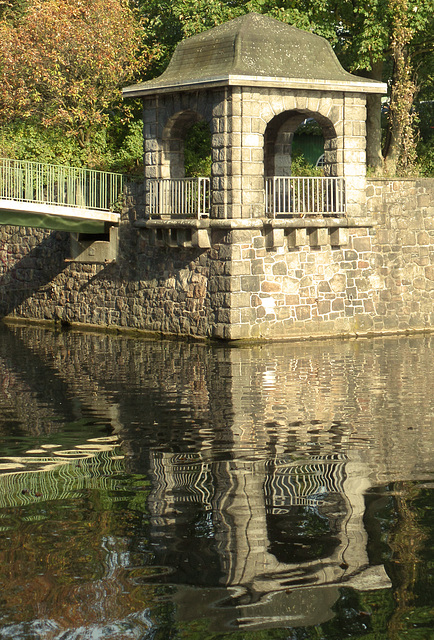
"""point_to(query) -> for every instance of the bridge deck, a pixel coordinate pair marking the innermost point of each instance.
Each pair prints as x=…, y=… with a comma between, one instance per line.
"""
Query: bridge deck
x=50, y=216
x=58, y=197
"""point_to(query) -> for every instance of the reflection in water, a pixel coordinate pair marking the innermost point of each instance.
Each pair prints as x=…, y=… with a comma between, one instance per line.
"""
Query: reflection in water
x=165, y=489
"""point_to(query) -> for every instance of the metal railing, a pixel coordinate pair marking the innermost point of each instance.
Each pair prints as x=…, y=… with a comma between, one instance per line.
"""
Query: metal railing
x=27, y=181
x=304, y=196
x=179, y=198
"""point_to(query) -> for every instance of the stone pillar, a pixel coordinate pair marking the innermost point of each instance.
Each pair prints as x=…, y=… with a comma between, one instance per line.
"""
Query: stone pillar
x=238, y=143
x=354, y=153
x=227, y=195
x=151, y=140
x=252, y=155
x=222, y=156
x=152, y=146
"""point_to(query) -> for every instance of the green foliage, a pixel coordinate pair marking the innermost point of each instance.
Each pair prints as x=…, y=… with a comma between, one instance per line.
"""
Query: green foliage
x=166, y=23
x=309, y=128
x=117, y=147
x=31, y=141
x=425, y=119
x=300, y=166
x=371, y=38
x=197, y=150
x=128, y=149
x=425, y=163
x=62, y=64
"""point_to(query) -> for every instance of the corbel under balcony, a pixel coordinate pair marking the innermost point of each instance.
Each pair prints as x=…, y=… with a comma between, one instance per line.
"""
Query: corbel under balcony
x=279, y=232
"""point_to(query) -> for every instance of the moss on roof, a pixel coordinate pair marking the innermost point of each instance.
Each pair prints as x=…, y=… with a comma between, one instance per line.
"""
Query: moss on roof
x=252, y=45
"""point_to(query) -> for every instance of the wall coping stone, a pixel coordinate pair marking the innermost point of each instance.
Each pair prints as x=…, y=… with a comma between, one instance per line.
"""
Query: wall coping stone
x=256, y=223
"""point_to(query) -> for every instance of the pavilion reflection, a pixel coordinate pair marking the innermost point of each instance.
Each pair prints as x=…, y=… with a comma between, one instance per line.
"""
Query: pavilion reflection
x=259, y=460
x=287, y=534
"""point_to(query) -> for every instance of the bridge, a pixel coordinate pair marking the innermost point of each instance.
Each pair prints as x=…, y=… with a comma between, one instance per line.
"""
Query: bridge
x=59, y=197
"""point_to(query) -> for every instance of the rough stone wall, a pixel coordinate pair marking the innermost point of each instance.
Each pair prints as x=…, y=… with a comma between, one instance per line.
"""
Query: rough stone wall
x=298, y=292
x=156, y=289
x=403, y=251
x=383, y=280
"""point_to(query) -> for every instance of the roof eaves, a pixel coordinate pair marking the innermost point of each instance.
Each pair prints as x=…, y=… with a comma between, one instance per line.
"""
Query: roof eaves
x=350, y=85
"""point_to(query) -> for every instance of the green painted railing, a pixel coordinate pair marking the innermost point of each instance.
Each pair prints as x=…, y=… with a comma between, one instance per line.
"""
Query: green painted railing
x=27, y=181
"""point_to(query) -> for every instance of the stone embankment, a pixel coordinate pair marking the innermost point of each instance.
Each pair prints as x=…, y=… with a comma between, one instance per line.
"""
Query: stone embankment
x=380, y=278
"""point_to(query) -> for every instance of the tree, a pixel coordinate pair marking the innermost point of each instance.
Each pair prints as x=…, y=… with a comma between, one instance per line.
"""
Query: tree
x=62, y=62
x=389, y=40
x=386, y=39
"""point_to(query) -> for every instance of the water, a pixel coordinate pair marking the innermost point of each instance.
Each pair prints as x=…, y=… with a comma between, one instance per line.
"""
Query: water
x=172, y=490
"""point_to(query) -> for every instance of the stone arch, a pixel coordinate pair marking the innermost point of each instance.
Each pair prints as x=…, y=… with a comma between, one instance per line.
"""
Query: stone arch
x=173, y=139
x=279, y=135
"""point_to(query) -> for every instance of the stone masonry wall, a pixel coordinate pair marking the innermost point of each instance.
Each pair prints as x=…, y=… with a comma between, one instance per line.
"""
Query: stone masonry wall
x=381, y=281
x=244, y=122
x=159, y=290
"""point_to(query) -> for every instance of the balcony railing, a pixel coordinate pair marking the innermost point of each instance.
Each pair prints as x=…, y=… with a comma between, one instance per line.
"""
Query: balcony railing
x=179, y=198
x=303, y=196
x=285, y=197
x=27, y=181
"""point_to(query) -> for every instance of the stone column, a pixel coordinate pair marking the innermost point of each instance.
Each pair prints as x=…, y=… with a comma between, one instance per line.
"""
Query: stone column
x=238, y=156
x=354, y=153
x=152, y=147
x=222, y=156
x=151, y=141
x=252, y=155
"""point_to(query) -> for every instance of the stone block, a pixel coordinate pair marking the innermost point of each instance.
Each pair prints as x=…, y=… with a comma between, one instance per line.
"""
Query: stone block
x=271, y=287
x=362, y=244
x=240, y=236
x=429, y=272
x=297, y=237
x=247, y=315
x=338, y=304
x=258, y=242
x=93, y=250
x=424, y=200
x=318, y=237
x=252, y=140
x=257, y=125
x=280, y=268
x=250, y=283
x=291, y=285
x=339, y=237
x=237, y=332
x=323, y=307
x=338, y=283
x=423, y=238
x=240, y=300
x=303, y=312
x=253, y=169
x=274, y=237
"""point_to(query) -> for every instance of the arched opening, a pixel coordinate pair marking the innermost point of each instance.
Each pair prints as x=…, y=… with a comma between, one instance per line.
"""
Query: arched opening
x=197, y=150
x=298, y=134
x=183, y=187
x=307, y=154
x=186, y=145
x=295, y=185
